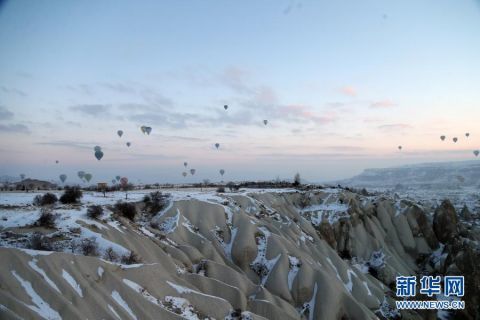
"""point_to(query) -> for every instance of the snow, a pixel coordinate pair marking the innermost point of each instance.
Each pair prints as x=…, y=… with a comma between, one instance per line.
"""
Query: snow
x=147, y=232
x=293, y=271
x=366, y=287
x=190, y=227
x=170, y=224
x=142, y=291
x=34, y=266
x=114, y=312
x=187, y=311
x=310, y=305
x=261, y=263
x=100, y=271
x=334, y=268
x=118, y=299
x=332, y=212
x=71, y=281
x=41, y=307
x=34, y=253
x=183, y=290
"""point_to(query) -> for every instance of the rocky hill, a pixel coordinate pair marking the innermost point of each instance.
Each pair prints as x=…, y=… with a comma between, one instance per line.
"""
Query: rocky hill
x=327, y=253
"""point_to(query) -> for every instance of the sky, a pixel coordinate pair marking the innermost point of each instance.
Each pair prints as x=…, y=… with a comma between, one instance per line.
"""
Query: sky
x=341, y=83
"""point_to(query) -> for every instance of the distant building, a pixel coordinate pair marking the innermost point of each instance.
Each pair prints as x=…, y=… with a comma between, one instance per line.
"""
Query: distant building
x=101, y=186
x=34, y=184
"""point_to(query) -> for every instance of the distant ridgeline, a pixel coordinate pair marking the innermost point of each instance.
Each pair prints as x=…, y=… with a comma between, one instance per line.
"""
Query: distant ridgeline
x=445, y=174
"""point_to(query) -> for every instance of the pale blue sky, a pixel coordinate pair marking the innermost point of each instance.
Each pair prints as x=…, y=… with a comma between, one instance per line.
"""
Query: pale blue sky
x=342, y=83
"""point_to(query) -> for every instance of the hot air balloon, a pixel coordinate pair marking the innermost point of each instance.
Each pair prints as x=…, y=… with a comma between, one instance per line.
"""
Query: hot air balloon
x=192, y=171
x=118, y=178
x=442, y=138
x=22, y=176
x=88, y=177
x=184, y=174
x=97, y=148
x=265, y=122
x=81, y=174
x=114, y=181
x=185, y=164
x=217, y=145
x=148, y=130
x=467, y=134
x=455, y=140
x=99, y=155
x=142, y=128
x=399, y=147
x=225, y=107
x=120, y=133
x=124, y=181
x=129, y=144
x=56, y=161
x=222, y=172
x=476, y=153
x=63, y=177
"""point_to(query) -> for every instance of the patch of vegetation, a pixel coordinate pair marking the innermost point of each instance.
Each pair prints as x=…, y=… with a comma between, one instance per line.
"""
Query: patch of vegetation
x=130, y=258
x=46, y=199
x=89, y=247
x=126, y=209
x=110, y=255
x=221, y=189
x=155, y=202
x=46, y=219
x=71, y=195
x=94, y=211
x=38, y=241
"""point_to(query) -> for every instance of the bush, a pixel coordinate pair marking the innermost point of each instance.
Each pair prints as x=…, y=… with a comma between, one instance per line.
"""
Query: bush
x=297, y=180
x=39, y=242
x=94, y=211
x=155, y=202
x=71, y=195
x=221, y=189
x=127, y=210
x=110, y=255
x=46, y=199
x=89, y=247
x=130, y=258
x=47, y=219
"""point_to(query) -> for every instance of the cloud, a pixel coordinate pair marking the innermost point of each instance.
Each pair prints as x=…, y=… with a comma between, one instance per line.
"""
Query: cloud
x=12, y=91
x=69, y=144
x=93, y=110
x=349, y=91
x=383, y=104
x=14, y=128
x=5, y=114
x=302, y=113
x=395, y=126
x=236, y=79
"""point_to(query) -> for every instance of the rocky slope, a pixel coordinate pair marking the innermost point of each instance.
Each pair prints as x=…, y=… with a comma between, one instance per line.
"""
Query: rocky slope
x=283, y=254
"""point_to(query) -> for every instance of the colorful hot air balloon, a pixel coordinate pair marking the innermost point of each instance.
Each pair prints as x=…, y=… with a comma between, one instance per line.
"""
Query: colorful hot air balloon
x=399, y=147
x=185, y=164
x=442, y=138
x=184, y=174
x=124, y=181
x=467, y=134
x=217, y=145
x=222, y=172
x=88, y=177
x=192, y=171
x=148, y=130
x=56, y=161
x=476, y=153
x=143, y=128
x=265, y=122
x=120, y=133
x=99, y=155
x=81, y=174
x=113, y=181
x=63, y=177
x=455, y=140
x=117, y=178
x=225, y=107
x=129, y=144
